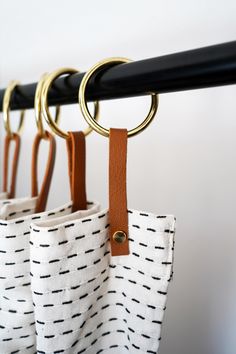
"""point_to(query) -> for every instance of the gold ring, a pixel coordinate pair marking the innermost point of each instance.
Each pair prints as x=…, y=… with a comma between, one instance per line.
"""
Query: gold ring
x=84, y=108
x=38, y=106
x=6, y=109
x=46, y=86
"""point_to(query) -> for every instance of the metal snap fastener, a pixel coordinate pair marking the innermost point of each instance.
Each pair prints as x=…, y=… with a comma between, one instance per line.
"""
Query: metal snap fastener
x=119, y=236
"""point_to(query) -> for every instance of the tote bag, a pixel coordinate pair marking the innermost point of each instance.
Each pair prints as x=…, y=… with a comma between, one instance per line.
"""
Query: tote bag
x=17, y=324
x=87, y=301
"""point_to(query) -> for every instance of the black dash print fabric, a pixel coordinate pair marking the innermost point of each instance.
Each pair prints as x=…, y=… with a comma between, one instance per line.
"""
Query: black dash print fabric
x=86, y=301
x=17, y=322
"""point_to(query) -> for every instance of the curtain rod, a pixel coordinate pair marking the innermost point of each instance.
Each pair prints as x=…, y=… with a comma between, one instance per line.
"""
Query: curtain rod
x=193, y=69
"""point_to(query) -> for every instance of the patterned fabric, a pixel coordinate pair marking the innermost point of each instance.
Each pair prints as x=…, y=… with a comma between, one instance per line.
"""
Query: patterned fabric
x=17, y=324
x=86, y=301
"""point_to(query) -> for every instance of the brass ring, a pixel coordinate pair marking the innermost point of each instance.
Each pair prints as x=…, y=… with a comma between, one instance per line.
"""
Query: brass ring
x=84, y=108
x=38, y=107
x=6, y=109
x=46, y=86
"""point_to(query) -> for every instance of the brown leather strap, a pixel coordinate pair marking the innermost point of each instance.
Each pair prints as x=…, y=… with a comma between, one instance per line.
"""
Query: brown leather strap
x=76, y=149
x=118, y=213
x=43, y=194
x=8, y=139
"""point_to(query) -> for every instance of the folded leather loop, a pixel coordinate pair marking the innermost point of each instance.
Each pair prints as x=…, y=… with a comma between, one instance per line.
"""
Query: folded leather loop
x=43, y=194
x=76, y=149
x=118, y=214
x=8, y=139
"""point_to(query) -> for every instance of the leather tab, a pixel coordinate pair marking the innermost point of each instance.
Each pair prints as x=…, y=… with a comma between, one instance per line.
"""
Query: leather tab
x=118, y=213
x=8, y=139
x=43, y=194
x=76, y=149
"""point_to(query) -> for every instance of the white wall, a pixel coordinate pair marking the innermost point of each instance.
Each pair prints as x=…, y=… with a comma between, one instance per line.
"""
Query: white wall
x=185, y=163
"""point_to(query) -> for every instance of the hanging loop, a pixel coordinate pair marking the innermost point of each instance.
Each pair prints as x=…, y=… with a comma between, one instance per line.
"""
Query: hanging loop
x=76, y=150
x=15, y=138
x=6, y=109
x=84, y=108
x=38, y=107
x=47, y=85
x=118, y=210
x=43, y=194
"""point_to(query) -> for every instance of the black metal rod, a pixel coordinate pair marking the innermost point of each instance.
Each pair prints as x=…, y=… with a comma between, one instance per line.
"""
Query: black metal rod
x=193, y=69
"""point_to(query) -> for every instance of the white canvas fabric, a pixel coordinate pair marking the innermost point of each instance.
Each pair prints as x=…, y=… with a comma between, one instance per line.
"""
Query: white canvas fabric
x=3, y=195
x=17, y=324
x=86, y=301
x=19, y=206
